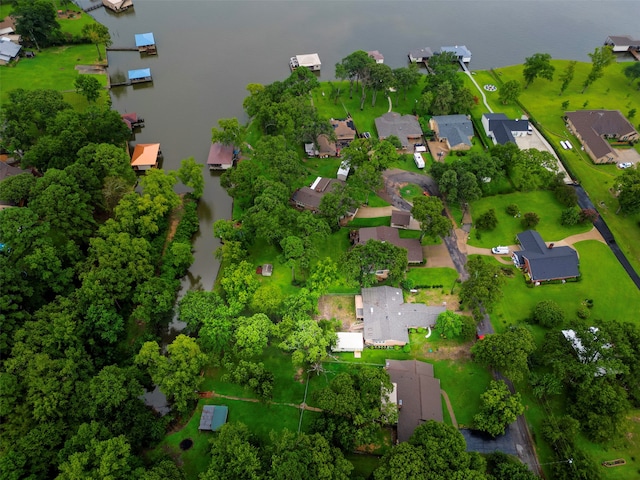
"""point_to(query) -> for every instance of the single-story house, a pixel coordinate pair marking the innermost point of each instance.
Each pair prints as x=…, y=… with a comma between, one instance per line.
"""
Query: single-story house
x=594, y=127
x=118, y=5
x=461, y=52
x=309, y=198
x=417, y=394
x=544, y=262
x=8, y=50
x=349, y=342
x=376, y=55
x=213, y=417
x=145, y=156
x=455, y=130
x=344, y=130
x=502, y=130
x=221, y=157
x=405, y=127
x=326, y=147
x=146, y=43
x=387, y=319
x=622, y=43
x=413, y=247
x=400, y=219
x=420, y=55
x=311, y=61
x=140, y=75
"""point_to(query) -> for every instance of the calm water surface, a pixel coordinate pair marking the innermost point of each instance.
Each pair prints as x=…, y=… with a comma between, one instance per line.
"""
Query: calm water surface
x=208, y=51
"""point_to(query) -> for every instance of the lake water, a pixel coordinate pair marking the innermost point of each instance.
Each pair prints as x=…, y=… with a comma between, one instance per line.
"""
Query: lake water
x=208, y=51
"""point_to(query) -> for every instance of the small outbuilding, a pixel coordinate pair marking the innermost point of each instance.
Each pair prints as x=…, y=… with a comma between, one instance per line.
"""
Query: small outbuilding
x=140, y=76
x=118, y=5
x=221, y=157
x=400, y=219
x=311, y=61
x=213, y=417
x=8, y=50
x=146, y=43
x=343, y=171
x=145, y=156
x=349, y=342
x=376, y=55
x=267, y=270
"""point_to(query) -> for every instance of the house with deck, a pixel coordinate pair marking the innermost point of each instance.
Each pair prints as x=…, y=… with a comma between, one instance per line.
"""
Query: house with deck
x=420, y=55
x=502, y=130
x=118, y=5
x=344, y=130
x=622, y=43
x=221, y=157
x=454, y=130
x=595, y=127
x=415, y=255
x=461, y=52
x=145, y=156
x=416, y=392
x=146, y=43
x=542, y=262
x=405, y=127
x=387, y=318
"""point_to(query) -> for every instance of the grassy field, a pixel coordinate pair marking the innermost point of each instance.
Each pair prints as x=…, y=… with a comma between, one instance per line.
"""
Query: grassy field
x=434, y=276
x=542, y=202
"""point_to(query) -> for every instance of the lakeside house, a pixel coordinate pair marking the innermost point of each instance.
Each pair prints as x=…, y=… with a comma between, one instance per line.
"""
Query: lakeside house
x=416, y=393
x=146, y=43
x=623, y=43
x=454, y=130
x=311, y=61
x=420, y=55
x=221, y=157
x=387, y=319
x=415, y=255
x=140, y=76
x=542, y=262
x=405, y=127
x=595, y=127
x=118, y=5
x=145, y=156
x=461, y=52
x=502, y=130
x=376, y=55
x=345, y=132
x=309, y=198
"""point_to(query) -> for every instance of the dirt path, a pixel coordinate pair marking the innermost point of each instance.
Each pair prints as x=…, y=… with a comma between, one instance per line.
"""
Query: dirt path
x=450, y=408
x=301, y=406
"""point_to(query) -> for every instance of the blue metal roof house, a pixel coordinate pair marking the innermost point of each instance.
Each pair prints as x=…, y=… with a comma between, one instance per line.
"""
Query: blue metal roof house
x=146, y=43
x=461, y=52
x=140, y=76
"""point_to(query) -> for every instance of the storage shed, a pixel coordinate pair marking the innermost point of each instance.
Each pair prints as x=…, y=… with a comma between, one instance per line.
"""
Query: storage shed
x=213, y=417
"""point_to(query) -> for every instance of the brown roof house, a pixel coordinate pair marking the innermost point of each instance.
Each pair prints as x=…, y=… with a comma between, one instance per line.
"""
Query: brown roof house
x=594, y=127
x=416, y=393
x=405, y=127
x=345, y=131
x=400, y=219
x=387, y=319
x=309, y=198
x=388, y=234
x=221, y=157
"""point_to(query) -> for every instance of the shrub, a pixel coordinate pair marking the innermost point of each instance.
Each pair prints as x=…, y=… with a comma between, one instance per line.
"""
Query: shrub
x=566, y=195
x=530, y=220
x=407, y=284
x=588, y=215
x=512, y=209
x=406, y=348
x=548, y=313
x=583, y=312
x=487, y=221
x=570, y=216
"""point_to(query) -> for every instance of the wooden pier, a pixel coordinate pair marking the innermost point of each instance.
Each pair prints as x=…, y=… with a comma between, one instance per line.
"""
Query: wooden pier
x=635, y=53
x=93, y=7
x=122, y=49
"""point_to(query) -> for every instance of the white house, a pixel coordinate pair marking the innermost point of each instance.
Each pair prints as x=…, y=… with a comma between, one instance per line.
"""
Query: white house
x=502, y=130
x=349, y=342
x=311, y=61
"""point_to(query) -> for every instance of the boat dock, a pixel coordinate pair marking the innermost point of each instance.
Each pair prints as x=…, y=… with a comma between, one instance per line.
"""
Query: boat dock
x=624, y=44
x=122, y=49
x=93, y=7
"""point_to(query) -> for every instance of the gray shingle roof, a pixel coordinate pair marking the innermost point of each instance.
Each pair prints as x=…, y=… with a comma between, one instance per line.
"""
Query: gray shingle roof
x=402, y=126
x=546, y=263
x=388, y=318
x=456, y=129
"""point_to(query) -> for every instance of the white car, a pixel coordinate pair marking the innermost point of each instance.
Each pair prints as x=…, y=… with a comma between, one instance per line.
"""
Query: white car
x=625, y=165
x=500, y=250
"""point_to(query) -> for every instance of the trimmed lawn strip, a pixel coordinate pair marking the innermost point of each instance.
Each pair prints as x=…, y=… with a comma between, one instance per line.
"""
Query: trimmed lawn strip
x=602, y=280
x=376, y=201
x=542, y=202
x=411, y=191
x=434, y=276
x=369, y=222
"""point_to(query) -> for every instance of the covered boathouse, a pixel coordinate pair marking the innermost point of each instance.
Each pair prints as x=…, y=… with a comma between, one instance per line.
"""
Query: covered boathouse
x=140, y=76
x=146, y=43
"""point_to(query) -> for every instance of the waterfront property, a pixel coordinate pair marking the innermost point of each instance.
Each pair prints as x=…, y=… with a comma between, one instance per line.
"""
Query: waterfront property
x=454, y=130
x=145, y=156
x=309, y=198
x=594, y=127
x=462, y=53
x=132, y=120
x=624, y=43
x=311, y=61
x=387, y=319
x=146, y=43
x=405, y=127
x=213, y=417
x=118, y=5
x=501, y=130
x=542, y=262
x=140, y=76
x=416, y=392
x=221, y=157
x=376, y=55
x=415, y=256
x=345, y=131
x=420, y=55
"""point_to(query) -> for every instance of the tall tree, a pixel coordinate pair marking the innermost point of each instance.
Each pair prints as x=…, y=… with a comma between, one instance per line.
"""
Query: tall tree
x=507, y=352
x=88, y=86
x=498, y=408
x=509, y=92
x=406, y=78
x=97, y=34
x=428, y=211
x=537, y=65
x=628, y=186
x=380, y=79
x=601, y=58
x=356, y=65
x=36, y=20
x=363, y=260
x=178, y=373
x=567, y=76
x=632, y=72
x=190, y=174
x=483, y=288
x=234, y=454
x=230, y=132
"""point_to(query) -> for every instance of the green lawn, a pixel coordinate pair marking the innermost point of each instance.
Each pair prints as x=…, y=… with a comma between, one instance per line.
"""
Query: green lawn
x=376, y=201
x=542, y=202
x=410, y=191
x=602, y=279
x=434, y=276
x=369, y=222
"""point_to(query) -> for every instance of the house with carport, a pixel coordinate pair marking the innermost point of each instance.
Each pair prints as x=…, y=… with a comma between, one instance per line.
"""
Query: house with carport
x=387, y=318
x=454, y=130
x=405, y=127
